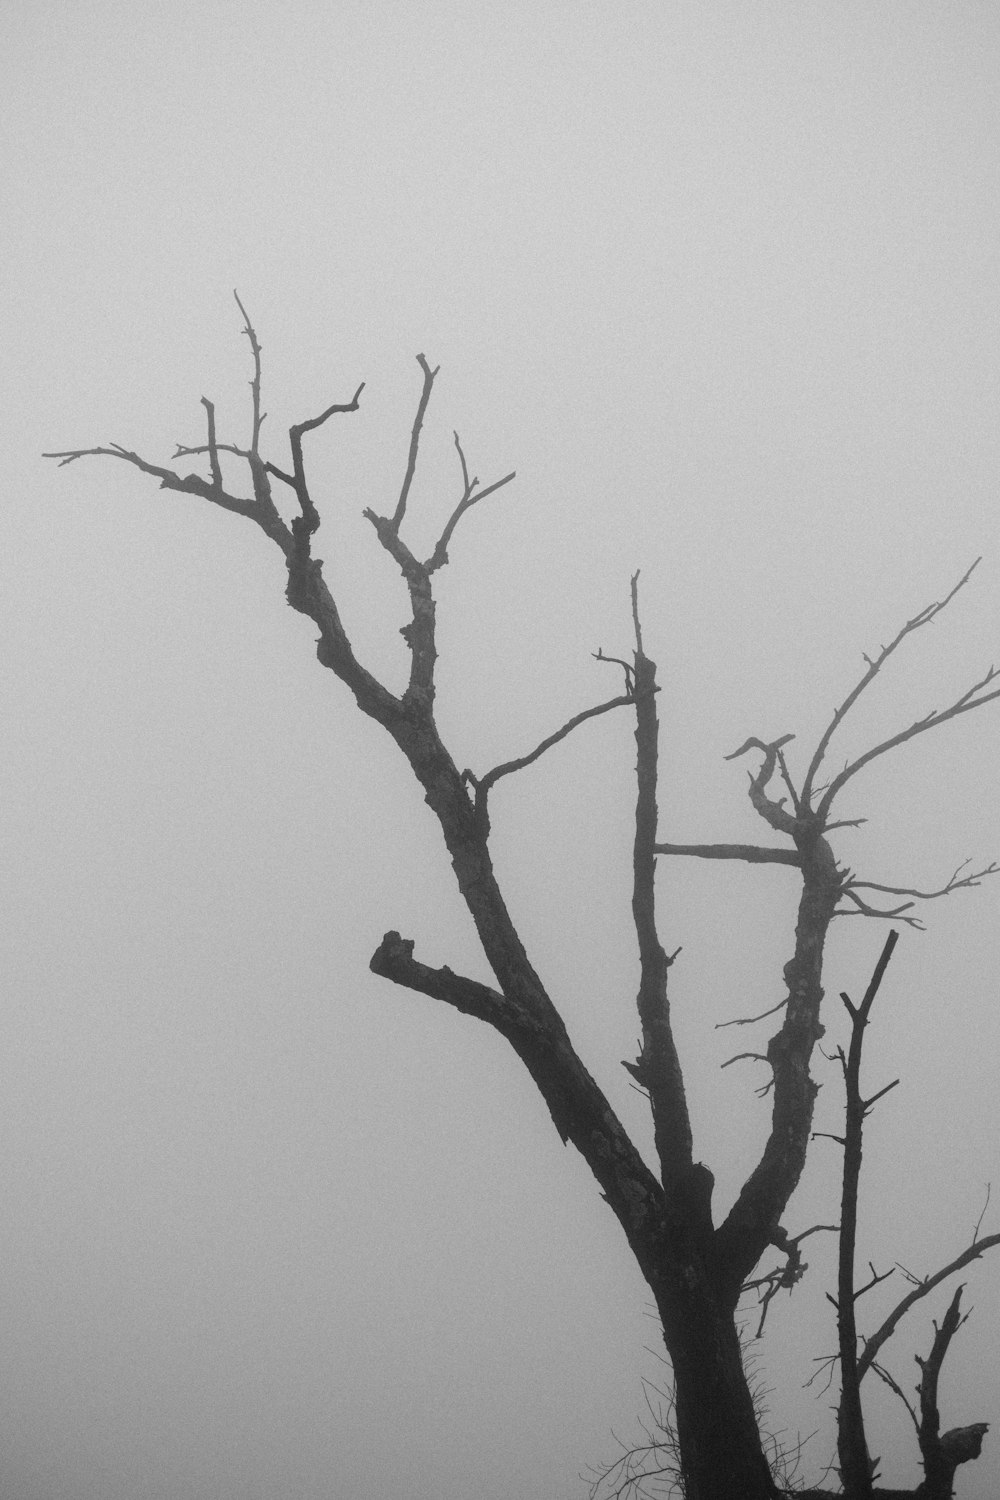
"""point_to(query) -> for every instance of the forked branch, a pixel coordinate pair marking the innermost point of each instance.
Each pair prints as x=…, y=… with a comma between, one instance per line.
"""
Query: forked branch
x=957, y=882
x=921, y=1288
x=471, y=496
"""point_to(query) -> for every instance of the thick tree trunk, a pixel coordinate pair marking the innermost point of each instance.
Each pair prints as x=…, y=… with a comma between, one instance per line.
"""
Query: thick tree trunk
x=717, y=1430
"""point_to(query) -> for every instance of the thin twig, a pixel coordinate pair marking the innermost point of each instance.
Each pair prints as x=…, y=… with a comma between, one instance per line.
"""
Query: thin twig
x=925, y=615
x=469, y=498
x=921, y=1288
x=751, y=1020
x=964, y=704
x=953, y=884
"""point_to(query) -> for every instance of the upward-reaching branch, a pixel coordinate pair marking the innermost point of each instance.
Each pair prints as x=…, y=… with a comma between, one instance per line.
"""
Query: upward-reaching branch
x=874, y=666
x=657, y=1068
x=258, y=416
x=855, y=1464
x=973, y=697
x=411, y=460
x=470, y=497
x=483, y=784
x=308, y=521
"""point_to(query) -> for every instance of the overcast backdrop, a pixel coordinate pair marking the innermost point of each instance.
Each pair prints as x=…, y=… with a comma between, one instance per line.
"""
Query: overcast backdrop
x=720, y=281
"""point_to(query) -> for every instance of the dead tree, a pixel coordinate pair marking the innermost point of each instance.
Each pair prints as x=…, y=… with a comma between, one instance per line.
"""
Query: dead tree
x=941, y=1454
x=694, y=1266
x=650, y=1470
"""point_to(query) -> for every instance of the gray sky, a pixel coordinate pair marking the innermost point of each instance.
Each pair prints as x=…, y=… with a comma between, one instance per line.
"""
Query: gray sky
x=719, y=280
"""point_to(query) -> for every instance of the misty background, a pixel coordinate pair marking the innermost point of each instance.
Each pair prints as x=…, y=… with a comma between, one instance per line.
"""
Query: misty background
x=720, y=281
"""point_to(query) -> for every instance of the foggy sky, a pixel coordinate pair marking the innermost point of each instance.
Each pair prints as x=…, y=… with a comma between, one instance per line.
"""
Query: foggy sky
x=720, y=281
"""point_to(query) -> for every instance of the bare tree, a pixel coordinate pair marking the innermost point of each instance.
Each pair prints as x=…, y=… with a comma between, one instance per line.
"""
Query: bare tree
x=694, y=1267
x=941, y=1454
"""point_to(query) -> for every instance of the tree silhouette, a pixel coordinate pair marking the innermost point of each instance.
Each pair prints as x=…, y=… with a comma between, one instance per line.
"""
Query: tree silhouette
x=694, y=1266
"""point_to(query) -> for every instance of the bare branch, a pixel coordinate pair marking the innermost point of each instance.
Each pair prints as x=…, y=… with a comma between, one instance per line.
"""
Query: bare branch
x=975, y=1232
x=772, y=812
x=875, y=1279
x=751, y=1020
x=786, y=778
x=309, y=521
x=964, y=704
x=483, y=784
x=626, y=667
x=852, y=1447
x=258, y=418
x=469, y=498
x=754, y=854
x=418, y=422
x=393, y=959
x=213, y=451
x=942, y=1455
x=190, y=484
x=787, y=1276
x=954, y=883
x=921, y=1289
x=636, y=625
x=896, y=913
x=689, y=1184
x=185, y=450
x=333, y=410
x=874, y=666
x=893, y=1385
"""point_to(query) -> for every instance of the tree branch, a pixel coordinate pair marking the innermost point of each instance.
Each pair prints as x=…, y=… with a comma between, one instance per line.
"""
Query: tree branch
x=942, y=1455
x=852, y=1447
x=483, y=784
x=772, y=812
x=393, y=959
x=309, y=520
x=953, y=884
x=213, y=451
x=258, y=418
x=920, y=1290
x=784, y=1277
x=418, y=422
x=754, y=854
x=928, y=613
x=864, y=910
x=964, y=704
x=657, y=1067
x=189, y=484
x=469, y=498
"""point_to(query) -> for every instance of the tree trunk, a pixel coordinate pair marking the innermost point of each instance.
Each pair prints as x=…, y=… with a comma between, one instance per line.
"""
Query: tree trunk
x=718, y=1435
x=717, y=1431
